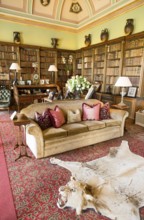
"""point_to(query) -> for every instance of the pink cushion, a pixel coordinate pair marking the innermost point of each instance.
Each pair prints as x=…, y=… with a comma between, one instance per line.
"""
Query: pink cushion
x=57, y=117
x=105, y=111
x=43, y=120
x=90, y=112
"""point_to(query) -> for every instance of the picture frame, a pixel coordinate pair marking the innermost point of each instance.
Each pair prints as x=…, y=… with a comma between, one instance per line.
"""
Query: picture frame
x=47, y=81
x=42, y=81
x=29, y=82
x=132, y=91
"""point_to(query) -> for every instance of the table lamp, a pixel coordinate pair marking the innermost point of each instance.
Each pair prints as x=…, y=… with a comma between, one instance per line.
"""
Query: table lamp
x=52, y=69
x=16, y=67
x=123, y=82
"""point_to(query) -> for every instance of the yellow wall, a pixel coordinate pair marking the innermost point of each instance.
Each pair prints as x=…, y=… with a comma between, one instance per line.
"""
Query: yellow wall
x=35, y=35
x=115, y=27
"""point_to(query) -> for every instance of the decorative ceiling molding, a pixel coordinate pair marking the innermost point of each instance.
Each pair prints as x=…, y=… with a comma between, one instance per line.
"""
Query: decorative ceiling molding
x=57, y=19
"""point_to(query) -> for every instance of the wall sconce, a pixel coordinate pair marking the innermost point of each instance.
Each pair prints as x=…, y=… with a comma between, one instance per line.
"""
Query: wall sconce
x=52, y=69
x=16, y=67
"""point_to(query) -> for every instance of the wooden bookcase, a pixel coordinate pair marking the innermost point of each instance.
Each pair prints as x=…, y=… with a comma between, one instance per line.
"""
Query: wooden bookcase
x=47, y=58
x=114, y=59
x=133, y=62
x=88, y=64
x=29, y=56
x=78, y=63
x=65, y=65
x=9, y=54
x=99, y=65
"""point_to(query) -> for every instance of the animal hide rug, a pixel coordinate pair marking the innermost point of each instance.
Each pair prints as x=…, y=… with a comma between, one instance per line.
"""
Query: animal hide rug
x=112, y=185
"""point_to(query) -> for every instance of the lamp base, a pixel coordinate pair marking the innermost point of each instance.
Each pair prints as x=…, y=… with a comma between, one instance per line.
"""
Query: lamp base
x=122, y=104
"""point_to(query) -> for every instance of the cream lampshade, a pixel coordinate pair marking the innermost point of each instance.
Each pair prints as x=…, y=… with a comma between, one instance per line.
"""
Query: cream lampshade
x=52, y=69
x=16, y=67
x=123, y=82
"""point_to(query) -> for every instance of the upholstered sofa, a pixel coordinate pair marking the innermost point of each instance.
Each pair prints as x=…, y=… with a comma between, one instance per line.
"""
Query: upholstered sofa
x=70, y=136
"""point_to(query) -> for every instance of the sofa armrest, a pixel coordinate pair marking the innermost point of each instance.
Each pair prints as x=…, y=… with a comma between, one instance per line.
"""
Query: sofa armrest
x=34, y=139
x=120, y=115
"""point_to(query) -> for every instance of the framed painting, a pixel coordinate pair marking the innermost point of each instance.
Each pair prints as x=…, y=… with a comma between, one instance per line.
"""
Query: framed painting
x=132, y=91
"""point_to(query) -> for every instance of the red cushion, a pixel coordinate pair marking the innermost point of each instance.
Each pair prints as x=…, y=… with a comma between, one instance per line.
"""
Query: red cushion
x=43, y=120
x=57, y=117
x=90, y=112
x=105, y=111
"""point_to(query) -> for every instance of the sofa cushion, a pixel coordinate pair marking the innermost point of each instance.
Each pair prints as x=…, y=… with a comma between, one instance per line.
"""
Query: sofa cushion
x=112, y=122
x=105, y=111
x=57, y=117
x=90, y=112
x=43, y=119
x=94, y=125
x=75, y=128
x=54, y=133
x=73, y=116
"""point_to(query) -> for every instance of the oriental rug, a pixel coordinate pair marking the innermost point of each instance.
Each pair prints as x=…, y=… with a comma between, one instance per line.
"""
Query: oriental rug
x=35, y=182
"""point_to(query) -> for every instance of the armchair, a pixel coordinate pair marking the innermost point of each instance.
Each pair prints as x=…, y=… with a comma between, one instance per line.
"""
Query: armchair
x=5, y=99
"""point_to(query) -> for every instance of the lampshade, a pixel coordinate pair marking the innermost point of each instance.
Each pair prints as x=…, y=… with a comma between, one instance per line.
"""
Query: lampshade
x=123, y=82
x=52, y=68
x=15, y=66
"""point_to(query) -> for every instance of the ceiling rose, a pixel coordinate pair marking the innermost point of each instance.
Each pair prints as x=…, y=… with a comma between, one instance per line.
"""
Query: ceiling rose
x=75, y=7
x=45, y=2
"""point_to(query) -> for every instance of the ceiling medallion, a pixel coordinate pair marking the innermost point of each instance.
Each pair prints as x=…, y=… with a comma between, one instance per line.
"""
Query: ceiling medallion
x=75, y=7
x=44, y=2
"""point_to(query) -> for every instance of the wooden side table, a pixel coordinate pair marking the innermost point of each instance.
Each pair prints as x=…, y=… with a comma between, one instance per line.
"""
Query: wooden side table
x=122, y=107
x=21, y=123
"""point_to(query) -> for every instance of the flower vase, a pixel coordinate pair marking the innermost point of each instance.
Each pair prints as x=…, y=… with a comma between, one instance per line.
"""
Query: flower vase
x=77, y=95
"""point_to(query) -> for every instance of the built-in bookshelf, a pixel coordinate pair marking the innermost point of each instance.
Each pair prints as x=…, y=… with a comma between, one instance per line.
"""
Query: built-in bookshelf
x=28, y=57
x=134, y=61
x=65, y=65
x=88, y=64
x=114, y=55
x=78, y=63
x=47, y=57
x=8, y=54
x=99, y=65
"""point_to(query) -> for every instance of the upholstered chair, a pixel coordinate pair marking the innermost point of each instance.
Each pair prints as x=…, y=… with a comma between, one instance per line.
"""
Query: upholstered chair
x=5, y=99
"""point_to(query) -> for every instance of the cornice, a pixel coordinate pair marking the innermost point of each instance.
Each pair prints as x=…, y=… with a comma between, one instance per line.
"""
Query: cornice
x=64, y=26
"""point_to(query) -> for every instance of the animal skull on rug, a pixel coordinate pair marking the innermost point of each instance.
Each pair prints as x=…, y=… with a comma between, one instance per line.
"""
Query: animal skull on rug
x=112, y=185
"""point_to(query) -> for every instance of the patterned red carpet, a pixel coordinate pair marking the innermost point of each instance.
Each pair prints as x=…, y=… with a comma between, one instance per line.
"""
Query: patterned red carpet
x=35, y=183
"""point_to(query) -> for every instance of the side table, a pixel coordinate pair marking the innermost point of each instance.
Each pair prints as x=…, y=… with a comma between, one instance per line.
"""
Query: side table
x=21, y=123
x=122, y=107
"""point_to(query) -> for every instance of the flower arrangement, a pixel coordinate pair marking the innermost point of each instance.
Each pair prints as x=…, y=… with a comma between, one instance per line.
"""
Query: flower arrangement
x=77, y=84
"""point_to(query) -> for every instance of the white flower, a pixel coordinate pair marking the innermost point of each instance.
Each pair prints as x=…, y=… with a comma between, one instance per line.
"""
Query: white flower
x=77, y=83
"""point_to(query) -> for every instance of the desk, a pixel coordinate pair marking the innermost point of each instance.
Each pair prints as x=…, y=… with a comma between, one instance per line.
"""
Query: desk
x=29, y=95
x=21, y=123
